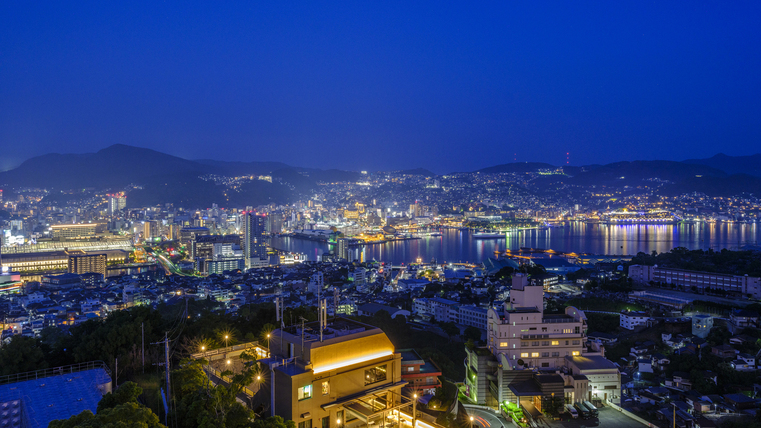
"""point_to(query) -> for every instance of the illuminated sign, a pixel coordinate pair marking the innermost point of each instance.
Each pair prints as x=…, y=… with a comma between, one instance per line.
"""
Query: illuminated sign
x=351, y=362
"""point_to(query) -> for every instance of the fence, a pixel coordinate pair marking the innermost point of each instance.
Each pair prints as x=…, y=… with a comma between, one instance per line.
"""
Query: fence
x=55, y=371
x=226, y=350
x=211, y=370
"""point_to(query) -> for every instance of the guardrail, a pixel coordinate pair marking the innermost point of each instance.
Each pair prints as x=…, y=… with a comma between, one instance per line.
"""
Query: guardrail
x=227, y=379
x=55, y=371
x=226, y=350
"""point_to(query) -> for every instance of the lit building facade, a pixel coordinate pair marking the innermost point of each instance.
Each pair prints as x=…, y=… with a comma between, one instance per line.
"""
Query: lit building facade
x=342, y=373
x=745, y=286
x=88, y=263
x=254, y=244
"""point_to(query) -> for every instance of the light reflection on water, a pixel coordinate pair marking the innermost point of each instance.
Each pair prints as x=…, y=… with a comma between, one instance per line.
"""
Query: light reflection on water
x=460, y=246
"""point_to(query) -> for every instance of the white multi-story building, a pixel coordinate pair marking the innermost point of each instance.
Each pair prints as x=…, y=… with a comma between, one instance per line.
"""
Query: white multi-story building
x=523, y=332
x=631, y=319
x=444, y=310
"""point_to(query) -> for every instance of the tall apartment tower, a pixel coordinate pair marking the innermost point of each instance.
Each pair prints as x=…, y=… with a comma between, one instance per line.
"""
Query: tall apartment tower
x=254, y=244
x=343, y=249
x=116, y=202
x=150, y=230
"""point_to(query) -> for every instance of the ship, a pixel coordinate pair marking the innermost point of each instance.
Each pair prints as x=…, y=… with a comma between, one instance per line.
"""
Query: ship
x=640, y=217
x=488, y=235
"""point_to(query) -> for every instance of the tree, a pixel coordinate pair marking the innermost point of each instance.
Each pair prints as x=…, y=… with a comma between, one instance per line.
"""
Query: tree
x=128, y=415
x=22, y=354
x=472, y=333
x=273, y=422
x=125, y=393
x=450, y=329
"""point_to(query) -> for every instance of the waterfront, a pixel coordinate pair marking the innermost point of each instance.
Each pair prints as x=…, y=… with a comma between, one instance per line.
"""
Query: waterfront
x=460, y=246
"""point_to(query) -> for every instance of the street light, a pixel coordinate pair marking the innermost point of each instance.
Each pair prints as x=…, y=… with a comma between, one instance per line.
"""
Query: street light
x=414, y=410
x=226, y=337
x=471, y=422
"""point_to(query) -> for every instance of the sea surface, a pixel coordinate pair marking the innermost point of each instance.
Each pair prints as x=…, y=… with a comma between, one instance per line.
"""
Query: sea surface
x=460, y=246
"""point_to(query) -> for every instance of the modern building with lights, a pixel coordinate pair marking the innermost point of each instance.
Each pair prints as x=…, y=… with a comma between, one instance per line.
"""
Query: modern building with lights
x=338, y=373
x=529, y=355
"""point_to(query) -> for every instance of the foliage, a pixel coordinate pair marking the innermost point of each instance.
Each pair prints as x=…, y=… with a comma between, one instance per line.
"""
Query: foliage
x=472, y=333
x=22, y=354
x=125, y=393
x=724, y=261
x=603, y=323
x=273, y=422
x=450, y=329
x=128, y=415
x=201, y=404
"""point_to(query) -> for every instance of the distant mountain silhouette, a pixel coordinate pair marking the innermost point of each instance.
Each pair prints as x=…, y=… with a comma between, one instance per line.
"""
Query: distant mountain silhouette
x=632, y=173
x=750, y=165
x=516, y=167
x=418, y=171
x=242, y=168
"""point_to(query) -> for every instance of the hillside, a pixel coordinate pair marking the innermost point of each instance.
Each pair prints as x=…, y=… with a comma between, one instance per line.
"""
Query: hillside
x=750, y=165
x=516, y=167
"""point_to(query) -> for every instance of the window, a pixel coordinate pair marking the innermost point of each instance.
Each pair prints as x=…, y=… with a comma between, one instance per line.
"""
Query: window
x=556, y=354
x=524, y=354
x=555, y=342
x=546, y=343
x=534, y=343
x=326, y=422
x=503, y=344
x=325, y=388
x=566, y=343
x=410, y=369
x=524, y=343
x=306, y=424
x=304, y=393
x=575, y=353
x=566, y=330
x=545, y=364
x=534, y=355
x=374, y=375
x=545, y=354
x=576, y=342
x=544, y=329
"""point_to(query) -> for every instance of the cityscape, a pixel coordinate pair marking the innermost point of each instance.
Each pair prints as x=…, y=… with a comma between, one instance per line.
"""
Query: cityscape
x=343, y=275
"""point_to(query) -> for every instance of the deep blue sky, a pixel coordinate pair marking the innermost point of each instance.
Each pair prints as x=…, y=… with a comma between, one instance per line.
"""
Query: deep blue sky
x=380, y=85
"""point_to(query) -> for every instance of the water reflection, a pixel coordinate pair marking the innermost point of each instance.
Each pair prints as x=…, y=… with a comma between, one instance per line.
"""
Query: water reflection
x=460, y=246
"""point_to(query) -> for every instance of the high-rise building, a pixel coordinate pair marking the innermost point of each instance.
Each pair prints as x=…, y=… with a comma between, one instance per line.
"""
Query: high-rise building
x=72, y=231
x=343, y=249
x=116, y=203
x=88, y=263
x=150, y=230
x=254, y=244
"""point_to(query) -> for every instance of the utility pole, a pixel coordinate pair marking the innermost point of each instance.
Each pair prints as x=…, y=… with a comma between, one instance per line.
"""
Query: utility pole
x=142, y=335
x=166, y=363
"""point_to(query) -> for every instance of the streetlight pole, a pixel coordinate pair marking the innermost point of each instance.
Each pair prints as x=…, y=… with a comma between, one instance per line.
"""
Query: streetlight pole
x=414, y=409
x=471, y=422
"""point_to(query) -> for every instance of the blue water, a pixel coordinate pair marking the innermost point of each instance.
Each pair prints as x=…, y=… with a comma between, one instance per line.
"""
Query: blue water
x=460, y=246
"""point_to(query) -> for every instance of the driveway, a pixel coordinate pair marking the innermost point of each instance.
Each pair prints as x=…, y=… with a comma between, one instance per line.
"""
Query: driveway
x=486, y=419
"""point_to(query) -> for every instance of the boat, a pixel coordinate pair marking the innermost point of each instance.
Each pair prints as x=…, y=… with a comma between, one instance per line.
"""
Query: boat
x=436, y=234
x=488, y=235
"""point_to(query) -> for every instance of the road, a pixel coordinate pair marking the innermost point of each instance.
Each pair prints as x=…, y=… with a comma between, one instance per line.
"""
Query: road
x=486, y=419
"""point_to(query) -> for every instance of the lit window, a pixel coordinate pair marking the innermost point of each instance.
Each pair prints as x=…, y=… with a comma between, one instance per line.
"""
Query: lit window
x=555, y=342
x=377, y=374
x=325, y=388
x=524, y=354
x=305, y=392
x=575, y=353
x=534, y=355
x=503, y=344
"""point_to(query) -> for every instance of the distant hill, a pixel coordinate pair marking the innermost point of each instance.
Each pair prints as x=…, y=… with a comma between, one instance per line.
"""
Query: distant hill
x=732, y=185
x=114, y=166
x=516, y=167
x=242, y=168
x=750, y=165
x=633, y=173
x=418, y=171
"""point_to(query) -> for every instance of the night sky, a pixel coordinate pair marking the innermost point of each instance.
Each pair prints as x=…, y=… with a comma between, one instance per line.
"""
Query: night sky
x=381, y=85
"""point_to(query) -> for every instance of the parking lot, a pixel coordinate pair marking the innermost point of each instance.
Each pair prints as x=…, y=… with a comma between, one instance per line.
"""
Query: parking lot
x=609, y=417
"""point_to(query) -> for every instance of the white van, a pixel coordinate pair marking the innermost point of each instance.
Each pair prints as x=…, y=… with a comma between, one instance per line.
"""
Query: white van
x=571, y=411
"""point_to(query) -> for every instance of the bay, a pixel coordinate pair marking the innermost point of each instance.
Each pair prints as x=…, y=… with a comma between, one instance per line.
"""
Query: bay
x=460, y=246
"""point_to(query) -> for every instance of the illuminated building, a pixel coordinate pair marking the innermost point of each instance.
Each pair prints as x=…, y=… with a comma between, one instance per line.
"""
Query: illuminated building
x=10, y=283
x=342, y=250
x=116, y=203
x=188, y=234
x=523, y=343
x=254, y=244
x=73, y=231
x=345, y=374
x=745, y=286
x=150, y=230
x=87, y=263
x=53, y=260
